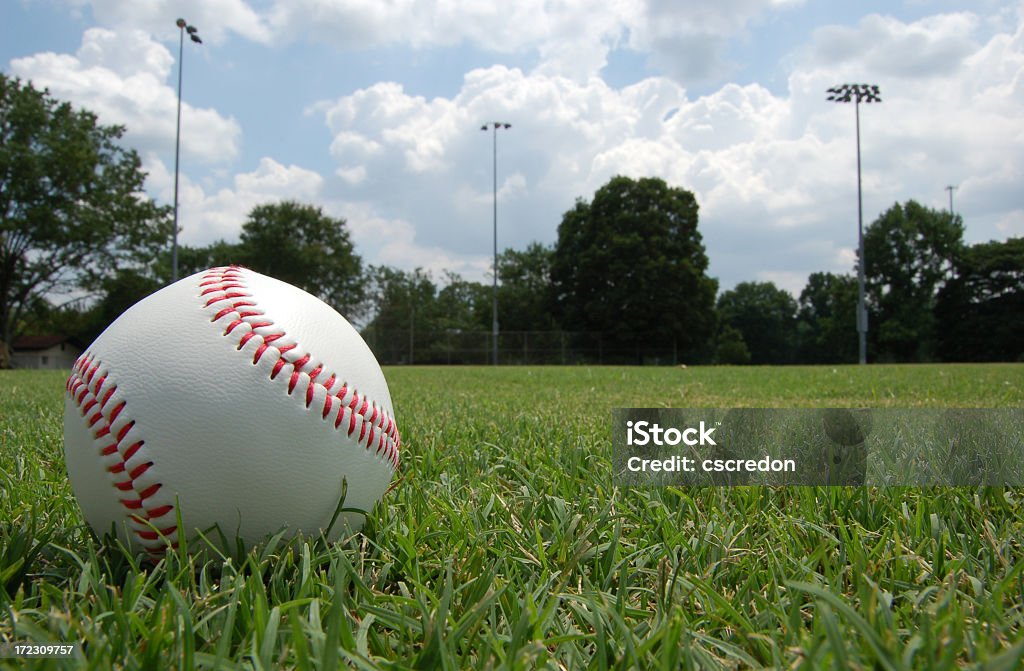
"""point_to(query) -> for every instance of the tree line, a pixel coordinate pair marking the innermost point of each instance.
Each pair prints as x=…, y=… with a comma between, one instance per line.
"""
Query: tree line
x=625, y=282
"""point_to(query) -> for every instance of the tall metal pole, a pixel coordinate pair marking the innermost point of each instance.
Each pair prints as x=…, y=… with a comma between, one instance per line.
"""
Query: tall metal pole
x=862, y=314
x=494, y=293
x=177, y=153
x=193, y=34
x=858, y=93
x=494, y=298
x=950, y=189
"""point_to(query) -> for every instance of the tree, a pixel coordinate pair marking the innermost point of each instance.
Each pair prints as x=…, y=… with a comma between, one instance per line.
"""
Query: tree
x=71, y=209
x=731, y=350
x=827, y=319
x=910, y=251
x=765, y=317
x=192, y=260
x=301, y=245
x=463, y=305
x=524, y=289
x=979, y=314
x=631, y=266
x=405, y=313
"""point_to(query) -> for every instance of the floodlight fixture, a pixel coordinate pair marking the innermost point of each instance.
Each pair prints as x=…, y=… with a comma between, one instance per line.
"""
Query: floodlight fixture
x=861, y=93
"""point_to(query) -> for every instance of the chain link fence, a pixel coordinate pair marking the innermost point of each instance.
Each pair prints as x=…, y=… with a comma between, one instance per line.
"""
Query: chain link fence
x=514, y=348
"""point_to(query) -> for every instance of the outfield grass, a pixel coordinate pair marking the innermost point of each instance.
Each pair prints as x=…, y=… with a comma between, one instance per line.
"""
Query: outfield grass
x=506, y=546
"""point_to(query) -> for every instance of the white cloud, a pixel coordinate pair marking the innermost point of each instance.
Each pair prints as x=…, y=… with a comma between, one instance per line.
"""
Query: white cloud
x=393, y=242
x=571, y=37
x=215, y=18
x=933, y=46
x=205, y=217
x=121, y=75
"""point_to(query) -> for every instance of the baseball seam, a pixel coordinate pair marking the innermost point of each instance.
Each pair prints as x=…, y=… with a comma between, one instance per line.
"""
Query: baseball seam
x=226, y=295
x=122, y=450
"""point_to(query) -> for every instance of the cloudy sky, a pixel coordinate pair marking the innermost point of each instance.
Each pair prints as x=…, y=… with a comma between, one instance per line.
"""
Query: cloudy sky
x=372, y=109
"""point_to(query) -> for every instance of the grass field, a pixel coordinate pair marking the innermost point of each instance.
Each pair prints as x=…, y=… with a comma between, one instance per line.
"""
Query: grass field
x=505, y=544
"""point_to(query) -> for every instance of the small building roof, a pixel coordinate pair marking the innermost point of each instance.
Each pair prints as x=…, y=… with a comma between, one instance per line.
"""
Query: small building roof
x=41, y=342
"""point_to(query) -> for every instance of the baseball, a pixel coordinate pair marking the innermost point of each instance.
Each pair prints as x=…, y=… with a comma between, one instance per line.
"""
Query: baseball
x=235, y=401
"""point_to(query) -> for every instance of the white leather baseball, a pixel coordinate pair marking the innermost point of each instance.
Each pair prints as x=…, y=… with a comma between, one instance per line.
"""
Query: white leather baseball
x=232, y=399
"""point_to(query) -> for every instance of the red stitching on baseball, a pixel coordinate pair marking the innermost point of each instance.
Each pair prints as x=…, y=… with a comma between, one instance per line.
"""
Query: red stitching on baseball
x=151, y=535
x=124, y=430
x=130, y=452
x=106, y=397
x=149, y=491
x=225, y=285
x=90, y=391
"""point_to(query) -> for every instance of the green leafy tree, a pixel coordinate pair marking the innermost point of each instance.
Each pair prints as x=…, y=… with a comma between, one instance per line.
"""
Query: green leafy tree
x=195, y=259
x=524, y=289
x=404, y=327
x=631, y=266
x=731, y=350
x=463, y=305
x=71, y=204
x=301, y=245
x=979, y=314
x=827, y=319
x=766, y=318
x=910, y=252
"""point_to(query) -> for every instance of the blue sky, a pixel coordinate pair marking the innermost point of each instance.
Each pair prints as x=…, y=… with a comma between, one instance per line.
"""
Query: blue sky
x=372, y=110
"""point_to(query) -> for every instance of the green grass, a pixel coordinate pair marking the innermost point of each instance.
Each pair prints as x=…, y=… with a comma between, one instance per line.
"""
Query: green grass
x=505, y=544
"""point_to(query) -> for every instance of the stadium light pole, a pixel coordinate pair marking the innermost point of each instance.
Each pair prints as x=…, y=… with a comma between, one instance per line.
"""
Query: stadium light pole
x=495, y=125
x=951, y=188
x=193, y=34
x=858, y=93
